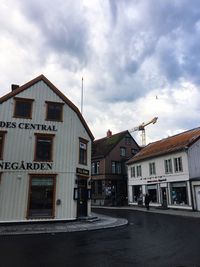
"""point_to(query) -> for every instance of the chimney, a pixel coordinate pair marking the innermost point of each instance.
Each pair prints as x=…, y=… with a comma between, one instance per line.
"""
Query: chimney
x=109, y=133
x=14, y=86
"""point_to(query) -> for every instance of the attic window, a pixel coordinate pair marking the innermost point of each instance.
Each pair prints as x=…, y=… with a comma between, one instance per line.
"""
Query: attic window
x=23, y=108
x=54, y=111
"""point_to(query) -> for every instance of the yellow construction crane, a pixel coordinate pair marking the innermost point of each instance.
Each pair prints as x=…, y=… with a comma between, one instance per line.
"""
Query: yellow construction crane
x=141, y=127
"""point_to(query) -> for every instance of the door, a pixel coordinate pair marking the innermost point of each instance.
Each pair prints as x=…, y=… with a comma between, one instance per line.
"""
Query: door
x=164, y=197
x=82, y=198
x=197, y=193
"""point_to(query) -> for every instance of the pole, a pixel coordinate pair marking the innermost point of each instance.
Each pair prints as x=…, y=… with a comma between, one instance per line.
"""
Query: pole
x=82, y=97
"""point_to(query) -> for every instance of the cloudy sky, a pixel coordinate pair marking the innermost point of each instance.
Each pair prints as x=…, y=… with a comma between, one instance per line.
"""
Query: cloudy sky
x=138, y=58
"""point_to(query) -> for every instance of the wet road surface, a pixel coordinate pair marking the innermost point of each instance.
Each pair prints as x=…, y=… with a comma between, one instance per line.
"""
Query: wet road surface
x=150, y=240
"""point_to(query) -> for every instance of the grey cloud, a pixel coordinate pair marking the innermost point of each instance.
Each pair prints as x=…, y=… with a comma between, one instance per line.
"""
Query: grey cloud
x=62, y=25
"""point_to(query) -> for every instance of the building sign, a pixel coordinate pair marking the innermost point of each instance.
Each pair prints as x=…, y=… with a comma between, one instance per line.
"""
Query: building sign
x=33, y=166
x=28, y=126
x=82, y=171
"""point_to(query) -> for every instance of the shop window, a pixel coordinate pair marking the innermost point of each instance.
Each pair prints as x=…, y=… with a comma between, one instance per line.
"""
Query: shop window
x=152, y=191
x=116, y=167
x=137, y=193
x=95, y=167
x=139, y=170
x=178, y=167
x=133, y=171
x=44, y=147
x=152, y=168
x=83, y=151
x=2, y=141
x=122, y=151
x=41, y=196
x=23, y=108
x=168, y=166
x=179, y=193
x=54, y=111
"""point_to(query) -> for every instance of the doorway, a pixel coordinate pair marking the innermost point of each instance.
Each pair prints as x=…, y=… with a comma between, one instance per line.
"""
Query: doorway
x=197, y=194
x=82, y=200
x=164, y=197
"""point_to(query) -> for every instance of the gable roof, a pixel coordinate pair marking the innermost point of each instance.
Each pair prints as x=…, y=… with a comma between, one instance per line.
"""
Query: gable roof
x=103, y=146
x=179, y=142
x=55, y=90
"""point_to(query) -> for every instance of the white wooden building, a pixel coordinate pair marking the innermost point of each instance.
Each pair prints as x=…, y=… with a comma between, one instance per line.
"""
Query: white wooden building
x=169, y=171
x=45, y=155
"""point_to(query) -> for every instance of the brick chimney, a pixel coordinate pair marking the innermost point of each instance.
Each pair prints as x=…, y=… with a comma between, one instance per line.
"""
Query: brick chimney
x=14, y=86
x=109, y=133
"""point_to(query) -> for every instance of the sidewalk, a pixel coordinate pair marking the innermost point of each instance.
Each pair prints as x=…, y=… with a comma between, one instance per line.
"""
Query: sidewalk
x=175, y=212
x=96, y=222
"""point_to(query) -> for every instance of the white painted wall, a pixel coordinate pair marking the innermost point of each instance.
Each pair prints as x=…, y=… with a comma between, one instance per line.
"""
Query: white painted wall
x=20, y=146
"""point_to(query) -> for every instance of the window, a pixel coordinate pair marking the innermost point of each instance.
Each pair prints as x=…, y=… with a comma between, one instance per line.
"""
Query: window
x=44, y=147
x=116, y=167
x=23, y=108
x=152, y=168
x=123, y=151
x=168, y=166
x=2, y=139
x=152, y=191
x=134, y=151
x=178, y=167
x=139, y=170
x=54, y=111
x=137, y=193
x=99, y=187
x=133, y=171
x=95, y=167
x=83, y=151
x=179, y=193
x=41, y=196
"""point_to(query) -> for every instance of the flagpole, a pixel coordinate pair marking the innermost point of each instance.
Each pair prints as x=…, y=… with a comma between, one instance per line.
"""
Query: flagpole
x=82, y=97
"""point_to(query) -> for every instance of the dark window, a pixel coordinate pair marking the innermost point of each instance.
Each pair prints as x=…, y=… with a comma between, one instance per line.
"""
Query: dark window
x=82, y=151
x=99, y=187
x=137, y=193
x=123, y=151
x=41, y=197
x=95, y=167
x=178, y=167
x=54, y=111
x=116, y=167
x=168, y=166
x=139, y=170
x=2, y=138
x=23, y=108
x=152, y=168
x=133, y=171
x=179, y=193
x=152, y=191
x=44, y=147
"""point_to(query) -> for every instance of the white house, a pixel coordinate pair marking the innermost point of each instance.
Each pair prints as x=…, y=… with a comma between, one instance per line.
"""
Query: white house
x=45, y=155
x=169, y=171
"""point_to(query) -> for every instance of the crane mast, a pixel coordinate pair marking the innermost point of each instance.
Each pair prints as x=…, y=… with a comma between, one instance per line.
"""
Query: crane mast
x=141, y=128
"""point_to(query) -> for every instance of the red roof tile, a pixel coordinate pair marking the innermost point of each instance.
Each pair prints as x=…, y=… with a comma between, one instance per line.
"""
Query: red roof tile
x=168, y=145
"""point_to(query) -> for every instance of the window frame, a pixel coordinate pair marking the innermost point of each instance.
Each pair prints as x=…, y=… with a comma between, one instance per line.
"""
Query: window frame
x=168, y=166
x=46, y=136
x=18, y=100
x=85, y=161
x=3, y=133
x=122, y=151
x=139, y=171
x=41, y=176
x=133, y=172
x=152, y=168
x=116, y=167
x=95, y=167
x=178, y=164
x=60, y=119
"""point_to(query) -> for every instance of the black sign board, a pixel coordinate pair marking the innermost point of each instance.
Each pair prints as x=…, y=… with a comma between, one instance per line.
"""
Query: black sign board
x=82, y=172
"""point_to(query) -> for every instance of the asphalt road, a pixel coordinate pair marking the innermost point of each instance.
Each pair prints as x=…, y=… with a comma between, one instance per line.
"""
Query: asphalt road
x=150, y=240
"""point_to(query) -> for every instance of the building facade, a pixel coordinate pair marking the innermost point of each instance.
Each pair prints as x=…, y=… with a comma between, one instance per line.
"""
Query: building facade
x=169, y=171
x=45, y=155
x=109, y=172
